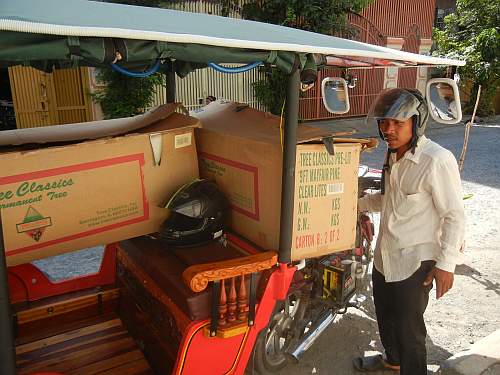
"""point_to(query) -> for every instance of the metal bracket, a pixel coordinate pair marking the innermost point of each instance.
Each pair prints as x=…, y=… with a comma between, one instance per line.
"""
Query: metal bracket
x=252, y=299
x=215, y=303
x=328, y=142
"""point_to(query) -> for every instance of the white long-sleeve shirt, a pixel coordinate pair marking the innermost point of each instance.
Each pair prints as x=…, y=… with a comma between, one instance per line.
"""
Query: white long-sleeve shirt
x=422, y=212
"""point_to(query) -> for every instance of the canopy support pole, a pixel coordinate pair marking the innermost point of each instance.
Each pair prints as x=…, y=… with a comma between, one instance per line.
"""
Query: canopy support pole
x=170, y=82
x=288, y=175
x=7, y=347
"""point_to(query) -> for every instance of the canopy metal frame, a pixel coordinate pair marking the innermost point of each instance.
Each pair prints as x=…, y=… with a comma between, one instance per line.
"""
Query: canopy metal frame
x=7, y=342
x=35, y=35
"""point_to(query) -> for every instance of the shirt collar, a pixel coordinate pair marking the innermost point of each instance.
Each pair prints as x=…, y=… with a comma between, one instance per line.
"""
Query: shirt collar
x=415, y=157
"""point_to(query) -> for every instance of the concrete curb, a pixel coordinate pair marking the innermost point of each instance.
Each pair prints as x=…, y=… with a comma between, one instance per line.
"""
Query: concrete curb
x=482, y=358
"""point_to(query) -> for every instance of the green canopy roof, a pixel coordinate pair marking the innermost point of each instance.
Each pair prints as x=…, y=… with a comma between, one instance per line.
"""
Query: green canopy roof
x=81, y=32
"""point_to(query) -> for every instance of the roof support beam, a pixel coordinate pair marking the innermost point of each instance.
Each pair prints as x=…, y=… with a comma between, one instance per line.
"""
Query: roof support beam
x=170, y=82
x=288, y=175
x=7, y=347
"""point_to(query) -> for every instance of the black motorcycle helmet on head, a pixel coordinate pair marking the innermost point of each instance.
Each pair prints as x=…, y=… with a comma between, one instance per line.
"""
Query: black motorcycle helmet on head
x=197, y=214
x=399, y=104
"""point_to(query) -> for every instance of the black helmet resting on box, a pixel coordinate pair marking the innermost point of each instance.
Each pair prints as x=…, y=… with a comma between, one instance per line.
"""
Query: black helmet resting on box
x=197, y=214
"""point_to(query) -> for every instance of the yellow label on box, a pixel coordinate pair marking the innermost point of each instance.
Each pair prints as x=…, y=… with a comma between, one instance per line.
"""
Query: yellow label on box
x=182, y=140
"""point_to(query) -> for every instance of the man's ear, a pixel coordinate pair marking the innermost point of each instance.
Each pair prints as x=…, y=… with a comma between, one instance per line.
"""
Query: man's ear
x=380, y=131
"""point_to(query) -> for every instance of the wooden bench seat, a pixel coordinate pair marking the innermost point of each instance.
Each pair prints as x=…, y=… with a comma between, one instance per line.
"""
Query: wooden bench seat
x=163, y=291
x=55, y=315
x=105, y=348
x=182, y=273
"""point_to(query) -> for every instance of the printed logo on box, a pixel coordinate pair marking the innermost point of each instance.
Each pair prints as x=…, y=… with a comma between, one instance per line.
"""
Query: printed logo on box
x=35, y=194
x=34, y=224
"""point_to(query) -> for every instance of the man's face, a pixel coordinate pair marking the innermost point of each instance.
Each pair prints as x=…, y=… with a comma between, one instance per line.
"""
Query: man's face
x=445, y=91
x=397, y=134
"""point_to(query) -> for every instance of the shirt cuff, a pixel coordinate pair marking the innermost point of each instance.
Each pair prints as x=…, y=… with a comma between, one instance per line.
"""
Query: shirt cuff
x=446, y=266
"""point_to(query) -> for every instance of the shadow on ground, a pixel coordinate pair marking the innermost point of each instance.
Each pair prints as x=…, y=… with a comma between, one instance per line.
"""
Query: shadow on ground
x=465, y=270
x=351, y=335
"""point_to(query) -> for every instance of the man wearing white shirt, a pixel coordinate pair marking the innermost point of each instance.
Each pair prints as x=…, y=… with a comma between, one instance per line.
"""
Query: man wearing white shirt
x=421, y=230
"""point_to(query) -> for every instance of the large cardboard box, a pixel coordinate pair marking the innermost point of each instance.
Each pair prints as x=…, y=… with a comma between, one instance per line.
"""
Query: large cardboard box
x=55, y=199
x=239, y=148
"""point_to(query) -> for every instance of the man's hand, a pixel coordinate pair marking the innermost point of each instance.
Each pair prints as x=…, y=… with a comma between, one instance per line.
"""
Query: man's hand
x=444, y=281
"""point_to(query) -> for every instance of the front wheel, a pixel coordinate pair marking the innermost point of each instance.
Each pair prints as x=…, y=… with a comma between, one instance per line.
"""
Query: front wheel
x=269, y=351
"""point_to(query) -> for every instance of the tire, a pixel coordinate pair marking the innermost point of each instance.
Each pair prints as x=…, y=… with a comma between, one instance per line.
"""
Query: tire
x=268, y=354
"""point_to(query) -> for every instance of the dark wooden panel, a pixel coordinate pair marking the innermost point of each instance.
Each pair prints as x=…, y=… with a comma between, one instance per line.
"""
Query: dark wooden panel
x=157, y=346
x=56, y=315
x=104, y=348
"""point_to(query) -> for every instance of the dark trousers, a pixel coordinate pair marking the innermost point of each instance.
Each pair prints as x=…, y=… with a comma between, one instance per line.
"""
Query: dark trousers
x=400, y=308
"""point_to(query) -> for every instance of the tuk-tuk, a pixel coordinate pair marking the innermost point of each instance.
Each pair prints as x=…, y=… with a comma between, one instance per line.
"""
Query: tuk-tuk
x=221, y=308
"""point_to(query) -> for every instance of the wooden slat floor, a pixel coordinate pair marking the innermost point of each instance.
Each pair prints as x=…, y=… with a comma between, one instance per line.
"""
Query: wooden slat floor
x=105, y=348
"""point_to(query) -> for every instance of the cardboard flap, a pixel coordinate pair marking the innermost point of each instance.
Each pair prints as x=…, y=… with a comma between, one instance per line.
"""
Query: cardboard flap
x=308, y=134
x=87, y=130
x=172, y=122
x=156, y=145
x=236, y=119
x=367, y=144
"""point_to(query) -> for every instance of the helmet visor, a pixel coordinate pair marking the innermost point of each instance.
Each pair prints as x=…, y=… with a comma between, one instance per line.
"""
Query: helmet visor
x=178, y=225
x=397, y=104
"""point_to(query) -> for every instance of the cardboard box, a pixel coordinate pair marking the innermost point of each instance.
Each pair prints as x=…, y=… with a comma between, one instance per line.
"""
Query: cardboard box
x=240, y=149
x=56, y=199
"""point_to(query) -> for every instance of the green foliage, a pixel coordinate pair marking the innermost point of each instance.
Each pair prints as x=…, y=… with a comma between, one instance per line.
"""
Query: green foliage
x=124, y=96
x=472, y=34
x=271, y=91
x=320, y=16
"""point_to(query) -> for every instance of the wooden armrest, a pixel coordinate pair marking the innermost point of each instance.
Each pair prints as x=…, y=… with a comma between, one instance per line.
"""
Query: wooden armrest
x=198, y=276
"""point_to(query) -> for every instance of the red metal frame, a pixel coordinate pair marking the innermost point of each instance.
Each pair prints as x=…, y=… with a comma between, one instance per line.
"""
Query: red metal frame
x=28, y=283
x=226, y=356
x=230, y=355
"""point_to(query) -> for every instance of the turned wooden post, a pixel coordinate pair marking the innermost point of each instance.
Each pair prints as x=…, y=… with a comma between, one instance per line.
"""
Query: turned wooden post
x=242, y=300
x=222, y=304
x=231, y=301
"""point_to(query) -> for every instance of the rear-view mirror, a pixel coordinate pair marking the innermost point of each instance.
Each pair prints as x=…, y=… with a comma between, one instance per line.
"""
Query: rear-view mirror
x=335, y=96
x=444, y=100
